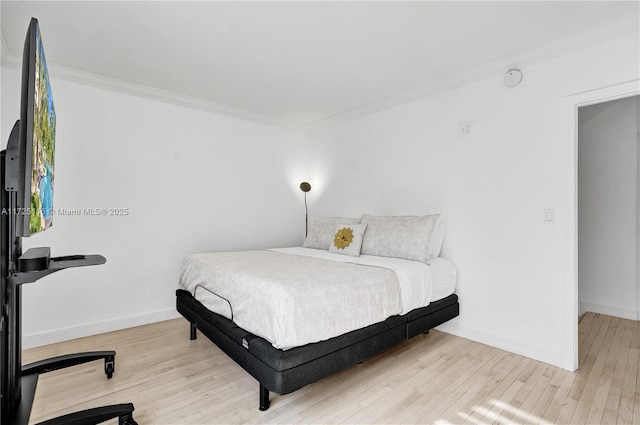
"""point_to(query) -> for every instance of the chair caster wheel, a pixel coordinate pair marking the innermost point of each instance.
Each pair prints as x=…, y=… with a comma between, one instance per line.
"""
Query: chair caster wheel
x=109, y=369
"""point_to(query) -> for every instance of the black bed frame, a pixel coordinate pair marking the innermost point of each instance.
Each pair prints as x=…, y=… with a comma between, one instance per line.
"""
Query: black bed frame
x=283, y=372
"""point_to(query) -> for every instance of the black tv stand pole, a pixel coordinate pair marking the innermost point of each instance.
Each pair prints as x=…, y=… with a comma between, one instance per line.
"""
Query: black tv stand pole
x=17, y=382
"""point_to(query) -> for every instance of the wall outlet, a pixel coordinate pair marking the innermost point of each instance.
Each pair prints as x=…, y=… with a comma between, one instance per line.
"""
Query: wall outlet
x=549, y=216
x=465, y=129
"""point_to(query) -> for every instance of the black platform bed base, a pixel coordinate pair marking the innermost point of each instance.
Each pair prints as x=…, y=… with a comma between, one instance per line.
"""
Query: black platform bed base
x=283, y=372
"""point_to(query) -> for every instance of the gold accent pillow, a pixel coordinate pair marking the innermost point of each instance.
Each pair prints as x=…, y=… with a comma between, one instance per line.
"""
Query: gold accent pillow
x=347, y=239
x=322, y=230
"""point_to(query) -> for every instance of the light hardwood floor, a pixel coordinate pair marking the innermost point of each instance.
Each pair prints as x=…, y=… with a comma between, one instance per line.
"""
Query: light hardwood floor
x=435, y=378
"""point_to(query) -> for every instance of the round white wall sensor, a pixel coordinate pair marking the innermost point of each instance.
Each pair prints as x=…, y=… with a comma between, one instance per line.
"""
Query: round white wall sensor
x=513, y=77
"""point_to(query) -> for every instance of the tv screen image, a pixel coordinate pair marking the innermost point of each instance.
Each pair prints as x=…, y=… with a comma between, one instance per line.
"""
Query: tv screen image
x=43, y=143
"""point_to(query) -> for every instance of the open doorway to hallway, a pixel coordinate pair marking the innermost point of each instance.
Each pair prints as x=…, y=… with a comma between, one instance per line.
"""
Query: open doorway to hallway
x=608, y=209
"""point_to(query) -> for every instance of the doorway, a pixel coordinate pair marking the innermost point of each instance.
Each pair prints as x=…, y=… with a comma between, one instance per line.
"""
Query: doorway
x=608, y=152
x=608, y=227
x=570, y=239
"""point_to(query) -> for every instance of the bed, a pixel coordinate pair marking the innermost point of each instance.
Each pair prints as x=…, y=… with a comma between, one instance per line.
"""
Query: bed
x=291, y=316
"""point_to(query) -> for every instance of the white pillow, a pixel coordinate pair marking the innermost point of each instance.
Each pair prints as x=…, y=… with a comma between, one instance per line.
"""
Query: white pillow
x=408, y=237
x=321, y=231
x=347, y=239
x=438, y=239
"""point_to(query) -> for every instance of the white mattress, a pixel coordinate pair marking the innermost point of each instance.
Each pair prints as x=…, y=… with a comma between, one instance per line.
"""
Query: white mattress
x=443, y=278
x=319, y=295
x=294, y=300
x=443, y=275
x=414, y=277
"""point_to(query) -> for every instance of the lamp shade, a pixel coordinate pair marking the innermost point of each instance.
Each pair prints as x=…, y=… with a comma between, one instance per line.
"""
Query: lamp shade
x=305, y=187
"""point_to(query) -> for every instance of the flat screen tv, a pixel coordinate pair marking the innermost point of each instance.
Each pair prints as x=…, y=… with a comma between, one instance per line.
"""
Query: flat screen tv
x=31, y=148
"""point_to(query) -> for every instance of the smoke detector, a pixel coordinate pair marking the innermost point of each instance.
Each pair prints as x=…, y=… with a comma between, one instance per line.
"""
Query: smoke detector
x=513, y=77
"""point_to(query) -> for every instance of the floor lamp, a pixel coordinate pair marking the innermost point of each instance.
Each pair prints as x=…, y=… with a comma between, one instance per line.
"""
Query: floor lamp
x=305, y=187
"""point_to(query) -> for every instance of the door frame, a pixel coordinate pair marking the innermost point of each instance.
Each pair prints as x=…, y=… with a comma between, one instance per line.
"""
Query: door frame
x=570, y=292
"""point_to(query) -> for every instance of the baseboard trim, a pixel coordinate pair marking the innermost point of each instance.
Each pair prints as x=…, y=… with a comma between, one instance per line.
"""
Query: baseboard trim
x=66, y=334
x=516, y=347
x=623, y=313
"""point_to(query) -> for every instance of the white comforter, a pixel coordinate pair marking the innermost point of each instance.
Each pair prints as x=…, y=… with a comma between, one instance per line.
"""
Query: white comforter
x=295, y=296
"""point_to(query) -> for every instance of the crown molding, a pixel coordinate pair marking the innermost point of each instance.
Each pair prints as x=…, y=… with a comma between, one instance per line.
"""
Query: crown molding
x=603, y=33
x=126, y=87
x=581, y=40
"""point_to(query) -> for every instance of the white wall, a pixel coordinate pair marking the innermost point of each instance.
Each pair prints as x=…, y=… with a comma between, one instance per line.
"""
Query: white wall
x=608, y=205
x=191, y=180
x=198, y=181
x=492, y=187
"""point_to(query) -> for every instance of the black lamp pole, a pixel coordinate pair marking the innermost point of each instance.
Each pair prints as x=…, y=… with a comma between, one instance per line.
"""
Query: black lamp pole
x=305, y=187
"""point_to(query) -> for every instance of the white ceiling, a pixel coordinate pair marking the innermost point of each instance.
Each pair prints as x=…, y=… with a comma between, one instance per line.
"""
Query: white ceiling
x=305, y=63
